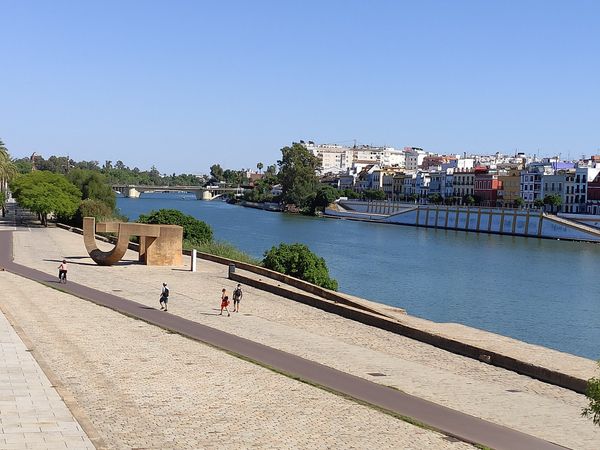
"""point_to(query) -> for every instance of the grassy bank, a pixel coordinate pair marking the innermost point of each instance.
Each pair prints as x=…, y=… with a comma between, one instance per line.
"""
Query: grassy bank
x=223, y=249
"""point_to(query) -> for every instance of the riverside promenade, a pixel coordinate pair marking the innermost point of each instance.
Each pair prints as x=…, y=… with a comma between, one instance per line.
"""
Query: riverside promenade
x=58, y=320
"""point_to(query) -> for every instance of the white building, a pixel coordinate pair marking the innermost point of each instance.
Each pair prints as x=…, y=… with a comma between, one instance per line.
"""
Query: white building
x=413, y=157
x=336, y=158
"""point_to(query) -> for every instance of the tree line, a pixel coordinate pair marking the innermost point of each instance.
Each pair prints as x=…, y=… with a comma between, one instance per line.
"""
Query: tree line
x=117, y=173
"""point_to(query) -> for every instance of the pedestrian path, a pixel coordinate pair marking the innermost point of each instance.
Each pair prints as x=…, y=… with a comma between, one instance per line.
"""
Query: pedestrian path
x=32, y=414
x=463, y=426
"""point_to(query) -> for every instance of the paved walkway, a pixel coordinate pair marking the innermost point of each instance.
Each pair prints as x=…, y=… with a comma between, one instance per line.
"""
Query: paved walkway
x=452, y=422
x=463, y=384
x=32, y=414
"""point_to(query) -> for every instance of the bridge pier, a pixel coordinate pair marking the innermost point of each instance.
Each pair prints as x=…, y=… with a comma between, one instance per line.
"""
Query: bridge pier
x=205, y=195
x=132, y=193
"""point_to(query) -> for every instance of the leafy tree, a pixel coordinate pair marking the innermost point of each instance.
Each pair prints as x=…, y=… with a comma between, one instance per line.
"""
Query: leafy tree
x=298, y=261
x=297, y=174
x=271, y=170
x=553, y=200
x=469, y=200
x=45, y=192
x=23, y=165
x=413, y=198
x=350, y=194
x=519, y=202
x=93, y=208
x=259, y=166
x=8, y=171
x=435, y=198
x=216, y=172
x=592, y=411
x=374, y=194
x=538, y=203
x=93, y=185
x=324, y=197
x=88, y=165
x=194, y=230
x=234, y=177
x=260, y=193
x=55, y=164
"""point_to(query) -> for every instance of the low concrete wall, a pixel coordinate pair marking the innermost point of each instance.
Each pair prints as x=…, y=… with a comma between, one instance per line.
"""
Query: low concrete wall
x=496, y=359
x=297, y=283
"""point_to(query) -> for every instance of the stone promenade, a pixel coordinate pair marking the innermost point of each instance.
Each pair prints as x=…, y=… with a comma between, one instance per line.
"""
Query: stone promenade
x=32, y=414
x=518, y=402
x=139, y=386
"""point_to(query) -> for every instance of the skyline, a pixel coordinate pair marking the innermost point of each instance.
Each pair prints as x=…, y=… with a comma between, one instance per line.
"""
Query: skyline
x=186, y=85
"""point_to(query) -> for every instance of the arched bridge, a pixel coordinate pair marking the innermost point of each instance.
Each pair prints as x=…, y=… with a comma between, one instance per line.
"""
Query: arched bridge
x=201, y=192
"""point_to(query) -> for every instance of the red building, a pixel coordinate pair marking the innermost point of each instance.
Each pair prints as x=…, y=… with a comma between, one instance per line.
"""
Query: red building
x=486, y=187
x=593, y=196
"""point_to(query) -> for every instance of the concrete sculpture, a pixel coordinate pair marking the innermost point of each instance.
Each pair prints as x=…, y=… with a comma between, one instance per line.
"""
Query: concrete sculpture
x=160, y=245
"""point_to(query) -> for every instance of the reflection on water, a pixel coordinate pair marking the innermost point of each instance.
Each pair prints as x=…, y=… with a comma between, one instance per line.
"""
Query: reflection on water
x=540, y=291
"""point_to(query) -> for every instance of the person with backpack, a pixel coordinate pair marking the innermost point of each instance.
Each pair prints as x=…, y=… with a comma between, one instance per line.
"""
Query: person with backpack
x=224, y=302
x=237, y=296
x=164, y=297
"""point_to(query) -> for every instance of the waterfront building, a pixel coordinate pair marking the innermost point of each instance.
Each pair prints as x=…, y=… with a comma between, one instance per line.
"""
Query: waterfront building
x=409, y=185
x=368, y=178
x=463, y=182
x=582, y=176
x=485, y=187
x=437, y=183
x=347, y=181
x=531, y=182
x=510, y=188
x=398, y=183
x=422, y=181
x=560, y=183
x=387, y=183
x=448, y=186
x=593, y=196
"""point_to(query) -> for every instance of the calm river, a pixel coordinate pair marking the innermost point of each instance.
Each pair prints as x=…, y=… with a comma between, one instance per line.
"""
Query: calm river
x=539, y=291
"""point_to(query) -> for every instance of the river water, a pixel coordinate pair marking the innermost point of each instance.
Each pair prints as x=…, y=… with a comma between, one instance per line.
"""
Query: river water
x=539, y=291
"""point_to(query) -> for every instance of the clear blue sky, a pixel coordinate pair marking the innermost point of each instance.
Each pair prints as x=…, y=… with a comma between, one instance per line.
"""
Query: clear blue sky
x=185, y=84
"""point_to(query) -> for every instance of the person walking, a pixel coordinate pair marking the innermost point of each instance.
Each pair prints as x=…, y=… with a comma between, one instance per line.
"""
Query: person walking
x=237, y=296
x=164, y=297
x=62, y=272
x=224, y=302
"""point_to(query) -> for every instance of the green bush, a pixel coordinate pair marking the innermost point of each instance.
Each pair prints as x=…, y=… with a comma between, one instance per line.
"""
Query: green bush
x=194, y=231
x=592, y=411
x=298, y=261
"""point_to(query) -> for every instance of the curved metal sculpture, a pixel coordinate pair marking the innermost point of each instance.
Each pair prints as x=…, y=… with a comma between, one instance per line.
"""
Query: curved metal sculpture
x=160, y=245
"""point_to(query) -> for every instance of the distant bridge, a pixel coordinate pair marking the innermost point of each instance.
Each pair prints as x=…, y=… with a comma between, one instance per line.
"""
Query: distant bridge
x=201, y=192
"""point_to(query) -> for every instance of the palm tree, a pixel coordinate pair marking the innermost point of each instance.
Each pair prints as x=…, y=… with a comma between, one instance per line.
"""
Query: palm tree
x=7, y=172
x=259, y=166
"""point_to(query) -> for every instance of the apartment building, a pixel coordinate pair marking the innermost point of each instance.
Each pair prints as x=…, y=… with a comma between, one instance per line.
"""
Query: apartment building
x=463, y=182
x=485, y=188
x=511, y=187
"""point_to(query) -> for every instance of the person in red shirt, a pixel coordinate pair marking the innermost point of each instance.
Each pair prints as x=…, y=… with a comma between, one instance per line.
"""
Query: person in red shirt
x=224, y=302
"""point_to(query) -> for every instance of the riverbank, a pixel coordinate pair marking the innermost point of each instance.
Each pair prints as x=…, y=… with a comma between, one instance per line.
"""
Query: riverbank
x=467, y=385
